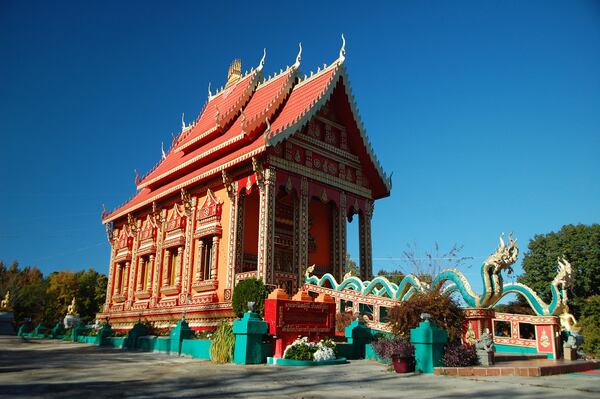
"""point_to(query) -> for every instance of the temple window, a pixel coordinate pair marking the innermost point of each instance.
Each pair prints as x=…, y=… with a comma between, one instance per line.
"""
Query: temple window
x=527, y=331
x=502, y=329
x=123, y=279
x=173, y=262
x=205, y=258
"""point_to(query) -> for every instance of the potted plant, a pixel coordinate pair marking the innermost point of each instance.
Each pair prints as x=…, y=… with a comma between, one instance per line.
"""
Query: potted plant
x=399, y=351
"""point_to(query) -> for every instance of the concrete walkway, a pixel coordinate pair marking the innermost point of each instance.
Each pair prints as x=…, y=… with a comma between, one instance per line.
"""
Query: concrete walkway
x=51, y=369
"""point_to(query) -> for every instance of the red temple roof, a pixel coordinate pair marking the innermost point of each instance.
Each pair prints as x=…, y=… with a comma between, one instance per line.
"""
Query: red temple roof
x=254, y=116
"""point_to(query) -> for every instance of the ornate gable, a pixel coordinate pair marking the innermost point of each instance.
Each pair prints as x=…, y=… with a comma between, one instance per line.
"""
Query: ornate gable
x=209, y=217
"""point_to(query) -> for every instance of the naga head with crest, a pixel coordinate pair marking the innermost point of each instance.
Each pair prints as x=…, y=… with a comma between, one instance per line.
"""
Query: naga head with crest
x=504, y=256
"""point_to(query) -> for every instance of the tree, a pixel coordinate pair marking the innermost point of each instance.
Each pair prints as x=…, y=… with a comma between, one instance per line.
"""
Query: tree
x=249, y=290
x=590, y=326
x=425, y=266
x=350, y=266
x=27, y=287
x=394, y=276
x=91, y=293
x=46, y=299
x=444, y=310
x=62, y=287
x=580, y=244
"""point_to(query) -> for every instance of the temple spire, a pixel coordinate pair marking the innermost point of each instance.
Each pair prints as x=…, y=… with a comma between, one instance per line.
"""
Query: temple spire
x=234, y=74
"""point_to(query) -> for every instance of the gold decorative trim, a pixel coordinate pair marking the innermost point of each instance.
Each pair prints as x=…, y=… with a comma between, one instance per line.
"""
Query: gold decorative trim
x=206, y=285
x=320, y=176
x=327, y=150
x=186, y=183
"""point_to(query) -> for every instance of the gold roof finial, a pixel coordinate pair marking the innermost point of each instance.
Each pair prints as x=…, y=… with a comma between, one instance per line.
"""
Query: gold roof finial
x=343, y=49
x=298, y=57
x=234, y=74
x=262, y=60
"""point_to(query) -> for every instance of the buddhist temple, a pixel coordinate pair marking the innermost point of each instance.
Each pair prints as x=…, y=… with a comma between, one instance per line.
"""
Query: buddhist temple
x=261, y=184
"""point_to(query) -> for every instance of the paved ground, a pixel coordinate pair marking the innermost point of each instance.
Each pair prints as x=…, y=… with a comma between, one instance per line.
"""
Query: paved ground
x=50, y=369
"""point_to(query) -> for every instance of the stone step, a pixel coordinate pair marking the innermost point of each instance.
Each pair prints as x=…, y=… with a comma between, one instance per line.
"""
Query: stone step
x=511, y=357
x=522, y=368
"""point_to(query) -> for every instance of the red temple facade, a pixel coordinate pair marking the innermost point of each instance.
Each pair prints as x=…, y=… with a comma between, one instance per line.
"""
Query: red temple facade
x=260, y=185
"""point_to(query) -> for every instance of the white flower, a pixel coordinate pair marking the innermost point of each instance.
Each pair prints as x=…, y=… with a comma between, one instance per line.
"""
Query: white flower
x=323, y=353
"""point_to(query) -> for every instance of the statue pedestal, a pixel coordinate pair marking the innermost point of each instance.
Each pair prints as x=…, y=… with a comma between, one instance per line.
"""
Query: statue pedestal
x=428, y=340
x=485, y=358
x=6, y=323
x=569, y=353
x=71, y=321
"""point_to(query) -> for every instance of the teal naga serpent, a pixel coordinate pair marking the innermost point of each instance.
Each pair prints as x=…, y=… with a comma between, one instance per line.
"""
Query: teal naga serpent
x=494, y=288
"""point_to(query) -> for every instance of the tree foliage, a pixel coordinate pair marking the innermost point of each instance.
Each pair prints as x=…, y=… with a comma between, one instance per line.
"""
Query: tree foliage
x=394, y=276
x=580, y=244
x=590, y=326
x=445, y=312
x=249, y=290
x=350, y=266
x=45, y=300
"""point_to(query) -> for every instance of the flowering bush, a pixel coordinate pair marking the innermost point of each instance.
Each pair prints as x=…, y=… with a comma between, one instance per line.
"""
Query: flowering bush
x=302, y=349
x=459, y=355
x=386, y=347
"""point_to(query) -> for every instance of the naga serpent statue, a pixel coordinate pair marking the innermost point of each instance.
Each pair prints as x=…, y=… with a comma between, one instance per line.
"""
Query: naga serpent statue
x=379, y=286
x=491, y=274
x=494, y=288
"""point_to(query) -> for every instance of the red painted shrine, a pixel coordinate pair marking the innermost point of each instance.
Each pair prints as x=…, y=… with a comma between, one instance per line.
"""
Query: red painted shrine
x=261, y=185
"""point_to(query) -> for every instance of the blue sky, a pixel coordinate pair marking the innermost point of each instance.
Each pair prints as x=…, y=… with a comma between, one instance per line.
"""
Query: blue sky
x=486, y=112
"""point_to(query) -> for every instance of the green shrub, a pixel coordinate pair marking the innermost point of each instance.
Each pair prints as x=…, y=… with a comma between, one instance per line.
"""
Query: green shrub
x=445, y=313
x=590, y=326
x=249, y=290
x=459, y=355
x=221, y=348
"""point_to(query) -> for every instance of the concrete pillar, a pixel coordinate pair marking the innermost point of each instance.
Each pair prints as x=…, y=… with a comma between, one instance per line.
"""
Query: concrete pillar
x=249, y=331
x=428, y=340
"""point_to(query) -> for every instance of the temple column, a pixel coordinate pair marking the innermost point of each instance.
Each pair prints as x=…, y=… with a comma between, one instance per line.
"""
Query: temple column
x=149, y=269
x=266, y=227
x=339, y=238
x=215, y=258
x=140, y=273
x=200, y=249
x=366, y=257
x=111, y=279
x=233, y=235
x=159, y=260
x=165, y=268
x=188, y=250
x=117, y=284
x=178, y=266
x=302, y=242
x=126, y=279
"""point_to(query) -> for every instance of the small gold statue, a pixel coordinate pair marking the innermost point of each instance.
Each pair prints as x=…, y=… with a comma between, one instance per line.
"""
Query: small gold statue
x=5, y=303
x=71, y=308
x=567, y=320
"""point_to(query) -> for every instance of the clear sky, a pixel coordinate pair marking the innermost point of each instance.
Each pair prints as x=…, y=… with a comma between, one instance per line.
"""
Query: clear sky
x=486, y=112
